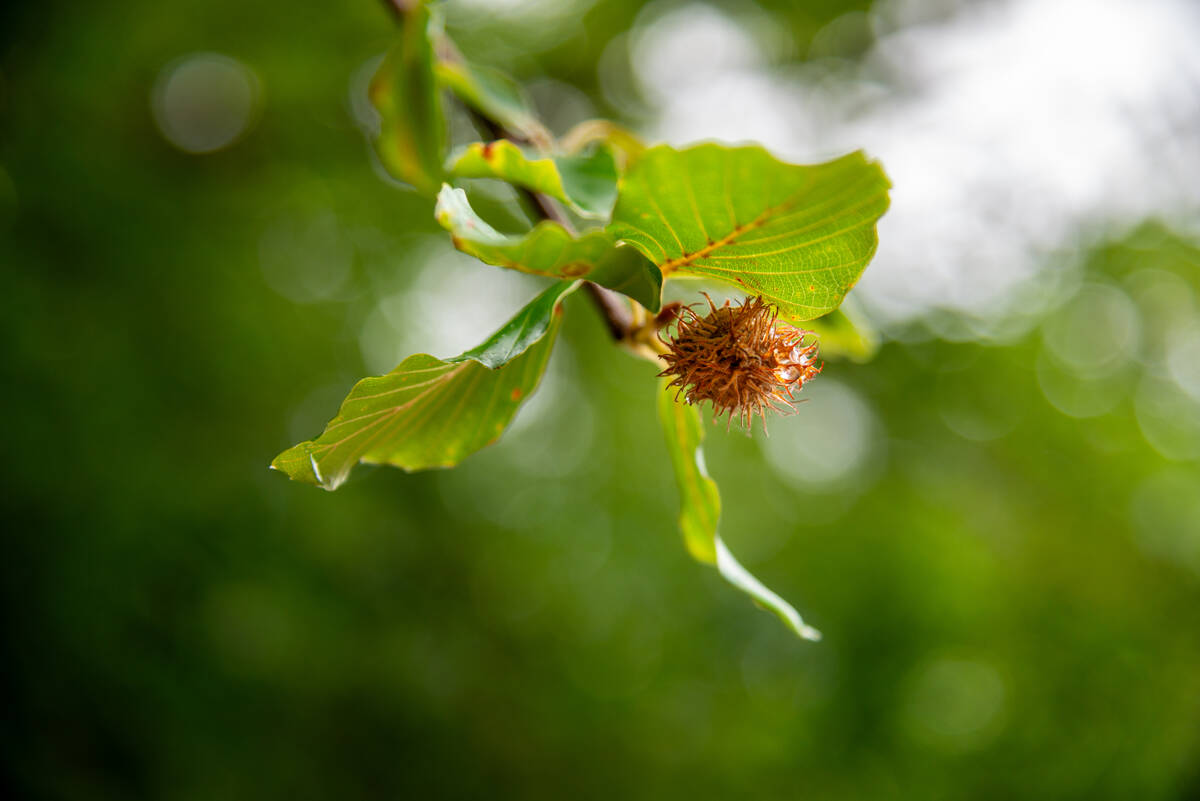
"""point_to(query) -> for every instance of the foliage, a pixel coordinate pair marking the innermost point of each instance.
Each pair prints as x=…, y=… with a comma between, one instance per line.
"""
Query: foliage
x=1009, y=592
x=701, y=508
x=586, y=183
x=434, y=412
x=797, y=237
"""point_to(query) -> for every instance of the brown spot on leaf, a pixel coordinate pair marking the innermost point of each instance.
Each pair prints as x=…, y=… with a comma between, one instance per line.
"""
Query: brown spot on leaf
x=487, y=151
x=515, y=394
x=575, y=269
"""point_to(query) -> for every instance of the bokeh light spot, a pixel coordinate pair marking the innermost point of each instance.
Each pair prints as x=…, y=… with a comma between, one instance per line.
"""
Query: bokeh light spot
x=204, y=102
x=1165, y=513
x=826, y=441
x=1183, y=358
x=977, y=404
x=955, y=704
x=306, y=256
x=1169, y=418
x=1097, y=333
x=1076, y=396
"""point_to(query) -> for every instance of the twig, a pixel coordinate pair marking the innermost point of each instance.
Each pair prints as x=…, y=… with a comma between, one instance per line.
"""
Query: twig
x=615, y=309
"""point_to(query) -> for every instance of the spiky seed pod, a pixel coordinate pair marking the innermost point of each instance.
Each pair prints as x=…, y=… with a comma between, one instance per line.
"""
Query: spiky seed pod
x=741, y=359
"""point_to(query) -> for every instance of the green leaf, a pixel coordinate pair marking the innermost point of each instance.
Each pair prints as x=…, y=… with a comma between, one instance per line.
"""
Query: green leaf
x=494, y=95
x=800, y=236
x=551, y=250
x=412, y=136
x=587, y=183
x=700, y=501
x=701, y=508
x=432, y=412
x=522, y=332
x=624, y=269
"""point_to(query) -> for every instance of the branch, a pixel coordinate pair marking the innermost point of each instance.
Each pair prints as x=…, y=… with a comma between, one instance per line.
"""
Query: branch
x=615, y=309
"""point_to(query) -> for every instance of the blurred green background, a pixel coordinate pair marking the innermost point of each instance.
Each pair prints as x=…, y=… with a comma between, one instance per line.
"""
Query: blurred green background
x=999, y=537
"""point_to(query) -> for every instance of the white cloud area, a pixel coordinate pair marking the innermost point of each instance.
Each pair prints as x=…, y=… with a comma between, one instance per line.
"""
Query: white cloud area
x=1014, y=131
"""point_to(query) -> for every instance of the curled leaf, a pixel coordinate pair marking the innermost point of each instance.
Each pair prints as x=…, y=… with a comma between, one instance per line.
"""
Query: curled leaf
x=587, y=183
x=412, y=136
x=551, y=250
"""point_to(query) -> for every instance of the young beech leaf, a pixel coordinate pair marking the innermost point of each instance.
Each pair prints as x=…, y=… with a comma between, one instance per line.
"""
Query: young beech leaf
x=551, y=250
x=799, y=236
x=432, y=412
x=587, y=183
x=700, y=508
x=412, y=133
x=494, y=95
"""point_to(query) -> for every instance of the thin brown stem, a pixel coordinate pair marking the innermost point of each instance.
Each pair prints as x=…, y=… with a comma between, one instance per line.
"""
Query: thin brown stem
x=614, y=308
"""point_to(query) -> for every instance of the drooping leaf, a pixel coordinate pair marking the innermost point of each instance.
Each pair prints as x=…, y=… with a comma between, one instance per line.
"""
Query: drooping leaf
x=412, y=132
x=587, y=183
x=700, y=501
x=800, y=236
x=494, y=95
x=431, y=412
x=700, y=509
x=550, y=250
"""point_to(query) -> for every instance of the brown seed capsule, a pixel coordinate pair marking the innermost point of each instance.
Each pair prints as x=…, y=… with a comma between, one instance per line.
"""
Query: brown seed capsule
x=739, y=358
